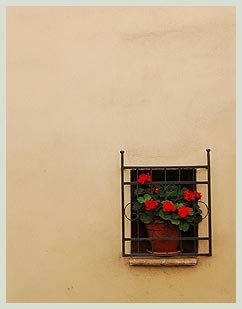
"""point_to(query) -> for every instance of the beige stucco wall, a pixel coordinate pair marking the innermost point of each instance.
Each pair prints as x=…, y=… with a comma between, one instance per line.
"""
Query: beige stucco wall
x=83, y=83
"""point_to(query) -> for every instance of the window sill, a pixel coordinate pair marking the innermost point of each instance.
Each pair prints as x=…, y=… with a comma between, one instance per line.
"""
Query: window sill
x=160, y=261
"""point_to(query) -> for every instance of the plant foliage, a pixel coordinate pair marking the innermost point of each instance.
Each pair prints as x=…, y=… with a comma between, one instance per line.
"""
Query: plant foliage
x=166, y=202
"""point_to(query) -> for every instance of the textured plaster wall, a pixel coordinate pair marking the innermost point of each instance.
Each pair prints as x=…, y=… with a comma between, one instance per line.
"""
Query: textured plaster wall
x=83, y=83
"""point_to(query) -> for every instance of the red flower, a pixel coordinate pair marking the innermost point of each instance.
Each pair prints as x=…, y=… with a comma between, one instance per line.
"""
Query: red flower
x=197, y=195
x=168, y=206
x=150, y=204
x=188, y=195
x=143, y=178
x=157, y=190
x=183, y=211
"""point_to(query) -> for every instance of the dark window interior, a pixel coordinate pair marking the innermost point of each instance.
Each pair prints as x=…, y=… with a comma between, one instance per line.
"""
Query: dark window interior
x=138, y=227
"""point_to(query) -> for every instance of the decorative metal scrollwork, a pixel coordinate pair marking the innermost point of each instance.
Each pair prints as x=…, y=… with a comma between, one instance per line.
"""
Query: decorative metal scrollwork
x=206, y=207
x=130, y=219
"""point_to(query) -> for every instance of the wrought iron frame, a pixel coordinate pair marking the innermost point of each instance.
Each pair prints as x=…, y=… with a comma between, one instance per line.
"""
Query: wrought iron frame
x=179, y=182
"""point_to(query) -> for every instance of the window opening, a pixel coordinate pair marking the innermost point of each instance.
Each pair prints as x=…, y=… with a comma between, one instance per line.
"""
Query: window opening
x=136, y=239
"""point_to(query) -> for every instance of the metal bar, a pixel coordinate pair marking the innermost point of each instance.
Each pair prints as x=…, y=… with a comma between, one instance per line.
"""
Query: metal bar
x=179, y=179
x=152, y=242
x=209, y=202
x=169, y=182
x=166, y=255
x=167, y=167
x=152, y=238
x=194, y=224
x=137, y=219
x=166, y=238
x=193, y=179
x=122, y=200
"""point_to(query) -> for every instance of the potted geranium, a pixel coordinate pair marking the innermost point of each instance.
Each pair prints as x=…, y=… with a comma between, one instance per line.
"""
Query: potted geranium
x=166, y=210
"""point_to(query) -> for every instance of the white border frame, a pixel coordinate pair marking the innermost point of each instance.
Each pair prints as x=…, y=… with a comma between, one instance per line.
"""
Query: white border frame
x=3, y=5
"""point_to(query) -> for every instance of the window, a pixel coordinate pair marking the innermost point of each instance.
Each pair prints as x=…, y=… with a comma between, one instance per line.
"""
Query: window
x=192, y=241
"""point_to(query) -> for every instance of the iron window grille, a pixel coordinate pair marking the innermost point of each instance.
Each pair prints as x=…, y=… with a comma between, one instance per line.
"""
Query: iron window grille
x=197, y=241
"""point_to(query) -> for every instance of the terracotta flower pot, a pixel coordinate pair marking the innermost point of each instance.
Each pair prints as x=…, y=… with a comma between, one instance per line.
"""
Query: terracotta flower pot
x=163, y=229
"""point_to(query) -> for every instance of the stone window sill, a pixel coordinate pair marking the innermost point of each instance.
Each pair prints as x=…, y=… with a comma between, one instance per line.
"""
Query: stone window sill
x=160, y=261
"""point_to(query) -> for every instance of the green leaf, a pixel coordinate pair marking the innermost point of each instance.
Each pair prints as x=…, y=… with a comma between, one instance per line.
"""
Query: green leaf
x=180, y=195
x=146, y=219
x=138, y=191
x=140, y=199
x=161, y=193
x=189, y=219
x=171, y=190
x=156, y=198
x=177, y=222
x=137, y=206
x=198, y=218
x=184, y=226
x=161, y=213
x=147, y=197
x=175, y=216
x=172, y=193
x=164, y=215
x=157, y=210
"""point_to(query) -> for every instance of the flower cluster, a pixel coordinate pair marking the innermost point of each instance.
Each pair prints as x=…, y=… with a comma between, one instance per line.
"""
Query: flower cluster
x=168, y=206
x=166, y=202
x=144, y=178
x=151, y=204
x=183, y=211
x=191, y=196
